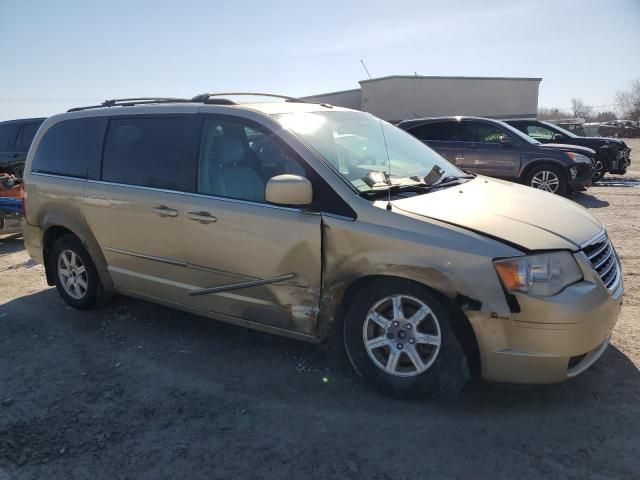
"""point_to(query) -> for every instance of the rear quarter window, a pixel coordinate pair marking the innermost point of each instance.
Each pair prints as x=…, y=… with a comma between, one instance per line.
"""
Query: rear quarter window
x=68, y=147
x=440, y=131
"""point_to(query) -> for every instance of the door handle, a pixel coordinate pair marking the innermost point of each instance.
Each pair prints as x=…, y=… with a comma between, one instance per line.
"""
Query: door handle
x=202, y=217
x=165, y=211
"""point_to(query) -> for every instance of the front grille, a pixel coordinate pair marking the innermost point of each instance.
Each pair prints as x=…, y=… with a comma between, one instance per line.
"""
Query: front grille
x=604, y=261
x=623, y=156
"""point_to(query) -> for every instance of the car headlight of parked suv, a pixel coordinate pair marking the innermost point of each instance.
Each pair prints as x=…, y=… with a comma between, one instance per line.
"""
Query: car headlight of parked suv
x=578, y=157
x=540, y=275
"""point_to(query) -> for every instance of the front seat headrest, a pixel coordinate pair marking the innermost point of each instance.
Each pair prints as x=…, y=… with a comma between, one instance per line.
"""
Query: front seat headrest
x=229, y=151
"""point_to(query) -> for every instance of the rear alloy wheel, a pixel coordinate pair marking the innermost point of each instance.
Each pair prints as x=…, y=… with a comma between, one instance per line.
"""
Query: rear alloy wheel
x=75, y=274
x=547, y=178
x=399, y=338
x=72, y=274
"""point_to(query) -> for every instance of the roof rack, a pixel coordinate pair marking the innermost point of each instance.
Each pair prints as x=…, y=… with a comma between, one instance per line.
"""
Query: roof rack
x=206, y=97
x=127, y=102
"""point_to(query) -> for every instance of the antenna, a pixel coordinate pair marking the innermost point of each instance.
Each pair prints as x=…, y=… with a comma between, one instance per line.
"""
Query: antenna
x=384, y=139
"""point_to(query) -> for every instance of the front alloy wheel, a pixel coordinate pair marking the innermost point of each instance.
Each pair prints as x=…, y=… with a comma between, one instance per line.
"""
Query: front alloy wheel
x=402, y=335
x=398, y=337
x=598, y=170
x=545, y=180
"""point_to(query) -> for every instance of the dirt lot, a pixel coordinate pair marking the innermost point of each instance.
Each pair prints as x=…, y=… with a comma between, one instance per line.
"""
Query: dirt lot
x=135, y=390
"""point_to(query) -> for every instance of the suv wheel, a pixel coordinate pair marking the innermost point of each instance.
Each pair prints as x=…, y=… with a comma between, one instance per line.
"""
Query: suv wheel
x=75, y=274
x=598, y=170
x=548, y=178
x=398, y=338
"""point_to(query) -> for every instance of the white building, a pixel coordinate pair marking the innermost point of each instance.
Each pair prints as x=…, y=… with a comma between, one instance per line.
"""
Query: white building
x=400, y=97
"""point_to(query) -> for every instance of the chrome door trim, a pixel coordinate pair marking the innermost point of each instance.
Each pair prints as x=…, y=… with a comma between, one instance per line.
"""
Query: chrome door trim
x=54, y=175
x=169, y=261
x=237, y=286
x=197, y=195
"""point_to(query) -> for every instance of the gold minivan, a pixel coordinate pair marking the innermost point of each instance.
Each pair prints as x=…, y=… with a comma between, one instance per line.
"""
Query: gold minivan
x=321, y=223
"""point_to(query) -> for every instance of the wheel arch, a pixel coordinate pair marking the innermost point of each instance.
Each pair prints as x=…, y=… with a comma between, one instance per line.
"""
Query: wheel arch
x=53, y=230
x=539, y=162
x=343, y=295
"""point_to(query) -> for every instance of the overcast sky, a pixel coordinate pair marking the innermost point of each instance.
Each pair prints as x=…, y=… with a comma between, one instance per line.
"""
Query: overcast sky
x=59, y=54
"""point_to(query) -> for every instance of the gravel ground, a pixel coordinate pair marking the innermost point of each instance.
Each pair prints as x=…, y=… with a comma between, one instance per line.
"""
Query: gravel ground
x=135, y=390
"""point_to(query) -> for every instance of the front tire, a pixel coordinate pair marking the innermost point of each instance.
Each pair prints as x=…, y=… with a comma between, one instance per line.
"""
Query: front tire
x=398, y=337
x=548, y=178
x=75, y=274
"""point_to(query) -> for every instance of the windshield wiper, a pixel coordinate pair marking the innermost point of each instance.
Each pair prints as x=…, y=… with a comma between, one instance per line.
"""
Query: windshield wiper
x=450, y=180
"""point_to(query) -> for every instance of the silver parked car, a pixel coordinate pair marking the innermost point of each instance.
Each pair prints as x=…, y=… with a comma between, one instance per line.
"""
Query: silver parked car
x=320, y=223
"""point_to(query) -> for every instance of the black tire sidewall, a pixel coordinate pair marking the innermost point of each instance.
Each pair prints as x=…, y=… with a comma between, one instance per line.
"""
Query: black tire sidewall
x=70, y=242
x=445, y=377
x=563, y=186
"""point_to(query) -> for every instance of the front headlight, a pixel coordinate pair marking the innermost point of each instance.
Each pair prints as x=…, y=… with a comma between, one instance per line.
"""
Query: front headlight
x=539, y=275
x=578, y=157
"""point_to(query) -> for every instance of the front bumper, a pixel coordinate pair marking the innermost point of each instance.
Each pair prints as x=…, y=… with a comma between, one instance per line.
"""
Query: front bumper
x=551, y=339
x=622, y=161
x=582, y=179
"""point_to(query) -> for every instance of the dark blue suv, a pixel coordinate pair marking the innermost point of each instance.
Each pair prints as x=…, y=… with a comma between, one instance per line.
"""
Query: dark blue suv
x=493, y=148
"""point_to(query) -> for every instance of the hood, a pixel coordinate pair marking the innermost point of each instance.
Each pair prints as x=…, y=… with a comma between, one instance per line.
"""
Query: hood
x=523, y=216
x=569, y=148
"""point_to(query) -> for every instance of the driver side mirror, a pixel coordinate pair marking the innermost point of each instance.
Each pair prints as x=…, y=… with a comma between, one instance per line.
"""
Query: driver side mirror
x=558, y=136
x=289, y=190
x=506, y=140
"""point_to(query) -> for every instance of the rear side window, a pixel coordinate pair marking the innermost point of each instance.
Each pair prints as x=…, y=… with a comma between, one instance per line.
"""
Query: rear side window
x=7, y=136
x=482, y=132
x=442, y=131
x=25, y=137
x=68, y=147
x=157, y=152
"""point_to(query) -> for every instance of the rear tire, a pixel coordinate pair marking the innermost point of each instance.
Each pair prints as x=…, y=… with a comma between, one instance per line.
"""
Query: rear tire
x=75, y=274
x=398, y=337
x=548, y=178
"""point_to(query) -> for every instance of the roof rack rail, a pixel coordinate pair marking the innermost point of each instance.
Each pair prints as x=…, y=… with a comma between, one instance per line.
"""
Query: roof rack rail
x=127, y=102
x=206, y=97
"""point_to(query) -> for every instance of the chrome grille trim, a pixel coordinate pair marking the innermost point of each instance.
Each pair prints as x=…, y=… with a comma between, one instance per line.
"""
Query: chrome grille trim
x=604, y=261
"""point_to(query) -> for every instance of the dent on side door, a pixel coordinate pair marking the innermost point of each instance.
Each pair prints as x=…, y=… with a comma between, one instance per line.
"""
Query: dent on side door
x=251, y=243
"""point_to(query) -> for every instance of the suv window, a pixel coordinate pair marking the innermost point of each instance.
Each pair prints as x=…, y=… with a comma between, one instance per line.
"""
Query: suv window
x=540, y=133
x=25, y=137
x=7, y=136
x=68, y=147
x=442, y=131
x=157, y=152
x=482, y=132
x=238, y=159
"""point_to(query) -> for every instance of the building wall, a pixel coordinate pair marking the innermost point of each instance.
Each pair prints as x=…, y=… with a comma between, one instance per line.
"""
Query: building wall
x=402, y=97
x=345, y=98
x=399, y=98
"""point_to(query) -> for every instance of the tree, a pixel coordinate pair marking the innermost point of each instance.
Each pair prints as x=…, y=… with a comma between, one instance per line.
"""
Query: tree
x=552, y=113
x=604, y=117
x=629, y=101
x=580, y=109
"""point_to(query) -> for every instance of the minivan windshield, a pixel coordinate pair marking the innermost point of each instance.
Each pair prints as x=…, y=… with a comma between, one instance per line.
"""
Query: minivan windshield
x=369, y=153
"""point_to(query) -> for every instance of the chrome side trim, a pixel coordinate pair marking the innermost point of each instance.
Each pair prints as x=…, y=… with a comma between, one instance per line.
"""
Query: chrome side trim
x=196, y=195
x=599, y=237
x=226, y=318
x=63, y=177
x=170, y=261
x=237, y=286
